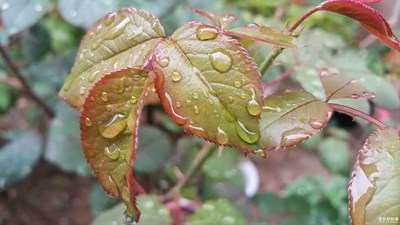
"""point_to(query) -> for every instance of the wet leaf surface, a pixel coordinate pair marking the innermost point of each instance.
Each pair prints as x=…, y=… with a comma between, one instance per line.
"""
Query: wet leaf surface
x=374, y=190
x=289, y=118
x=119, y=40
x=209, y=85
x=109, y=126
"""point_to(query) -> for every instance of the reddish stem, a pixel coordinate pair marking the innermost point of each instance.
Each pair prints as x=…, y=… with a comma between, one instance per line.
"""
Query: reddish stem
x=297, y=24
x=277, y=80
x=355, y=112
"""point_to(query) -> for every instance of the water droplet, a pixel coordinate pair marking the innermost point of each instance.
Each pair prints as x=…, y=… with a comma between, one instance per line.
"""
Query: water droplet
x=253, y=107
x=355, y=96
x=221, y=60
x=104, y=96
x=206, y=32
x=245, y=134
x=188, y=102
x=5, y=6
x=294, y=137
x=243, y=96
x=133, y=100
x=198, y=131
x=88, y=122
x=196, y=109
x=112, y=152
x=238, y=84
x=253, y=25
x=117, y=29
x=316, y=125
x=230, y=99
x=114, y=126
x=195, y=95
x=222, y=137
x=82, y=90
x=38, y=7
x=260, y=153
x=164, y=62
x=178, y=104
x=96, y=44
x=132, y=31
x=98, y=28
x=110, y=19
x=272, y=109
x=211, y=102
x=180, y=120
x=92, y=77
x=176, y=76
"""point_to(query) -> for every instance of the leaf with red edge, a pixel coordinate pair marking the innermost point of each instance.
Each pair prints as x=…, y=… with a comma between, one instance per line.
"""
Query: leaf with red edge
x=209, y=85
x=289, y=118
x=368, y=17
x=337, y=87
x=374, y=192
x=119, y=40
x=369, y=1
x=264, y=34
x=223, y=20
x=109, y=124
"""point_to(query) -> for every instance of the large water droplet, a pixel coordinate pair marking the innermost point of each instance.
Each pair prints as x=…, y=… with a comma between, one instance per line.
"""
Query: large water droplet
x=112, y=152
x=133, y=100
x=316, y=125
x=222, y=137
x=164, y=62
x=176, y=76
x=117, y=29
x=104, y=96
x=221, y=60
x=237, y=84
x=178, y=104
x=246, y=135
x=113, y=127
x=196, y=109
x=88, y=122
x=253, y=107
x=206, y=32
x=294, y=137
x=82, y=90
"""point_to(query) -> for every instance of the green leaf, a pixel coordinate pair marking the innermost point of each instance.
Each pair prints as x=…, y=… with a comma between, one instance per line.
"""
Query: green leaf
x=289, y=118
x=99, y=200
x=155, y=148
x=63, y=146
x=19, y=157
x=374, y=190
x=18, y=15
x=334, y=154
x=36, y=44
x=108, y=124
x=269, y=203
x=309, y=80
x=218, y=212
x=8, y=97
x=119, y=40
x=153, y=212
x=264, y=34
x=209, y=85
x=337, y=86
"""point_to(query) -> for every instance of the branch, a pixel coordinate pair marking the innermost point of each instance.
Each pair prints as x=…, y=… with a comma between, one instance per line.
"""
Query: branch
x=357, y=113
x=24, y=83
x=277, y=80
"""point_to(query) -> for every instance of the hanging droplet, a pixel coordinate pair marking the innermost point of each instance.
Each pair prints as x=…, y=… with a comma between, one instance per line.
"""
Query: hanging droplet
x=221, y=60
x=82, y=90
x=294, y=137
x=176, y=76
x=114, y=126
x=178, y=104
x=88, y=122
x=222, y=137
x=112, y=152
x=196, y=109
x=195, y=95
x=253, y=108
x=316, y=125
x=104, y=96
x=206, y=32
x=245, y=134
x=164, y=62
x=238, y=84
x=133, y=100
x=261, y=153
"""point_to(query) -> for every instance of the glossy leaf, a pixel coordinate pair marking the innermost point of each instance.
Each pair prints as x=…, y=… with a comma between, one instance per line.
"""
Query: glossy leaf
x=264, y=34
x=368, y=17
x=209, y=85
x=123, y=39
x=289, y=118
x=223, y=20
x=337, y=87
x=109, y=126
x=219, y=212
x=374, y=190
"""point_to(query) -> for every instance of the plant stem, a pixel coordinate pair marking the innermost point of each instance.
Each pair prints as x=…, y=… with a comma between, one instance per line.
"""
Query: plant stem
x=24, y=83
x=201, y=158
x=277, y=80
x=355, y=112
x=270, y=59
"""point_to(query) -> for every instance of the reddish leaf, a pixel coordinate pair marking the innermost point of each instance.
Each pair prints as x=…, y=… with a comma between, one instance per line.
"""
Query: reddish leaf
x=337, y=87
x=109, y=123
x=368, y=17
x=264, y=34
x=209, y=85
x=289, y=118
x=374, y=191
x=119, y=40
x=369, y=1
x=223, y=20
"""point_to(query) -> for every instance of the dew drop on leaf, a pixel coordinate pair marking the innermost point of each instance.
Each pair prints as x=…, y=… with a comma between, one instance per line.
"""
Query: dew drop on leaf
x=206, y=32
x=195, y=95
x=196, y=109
x=133, y=100
x=221, y=60
x=178, y=104
x=243, y=96
x=110, y=19
x=222, y=137
x=93, y=76
x=104, y=96
x=88, y=122
x=295, y=136
x=118, y=29
x=164, y=62
x=82, y=90
x=115, y=126
x=176, y=76
x=316, y=125
x=230, y=99
x=238, y=84
x=253, y=107
x=112, y=152
x=210, y=101
x=188, y=102
x=260, y=153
